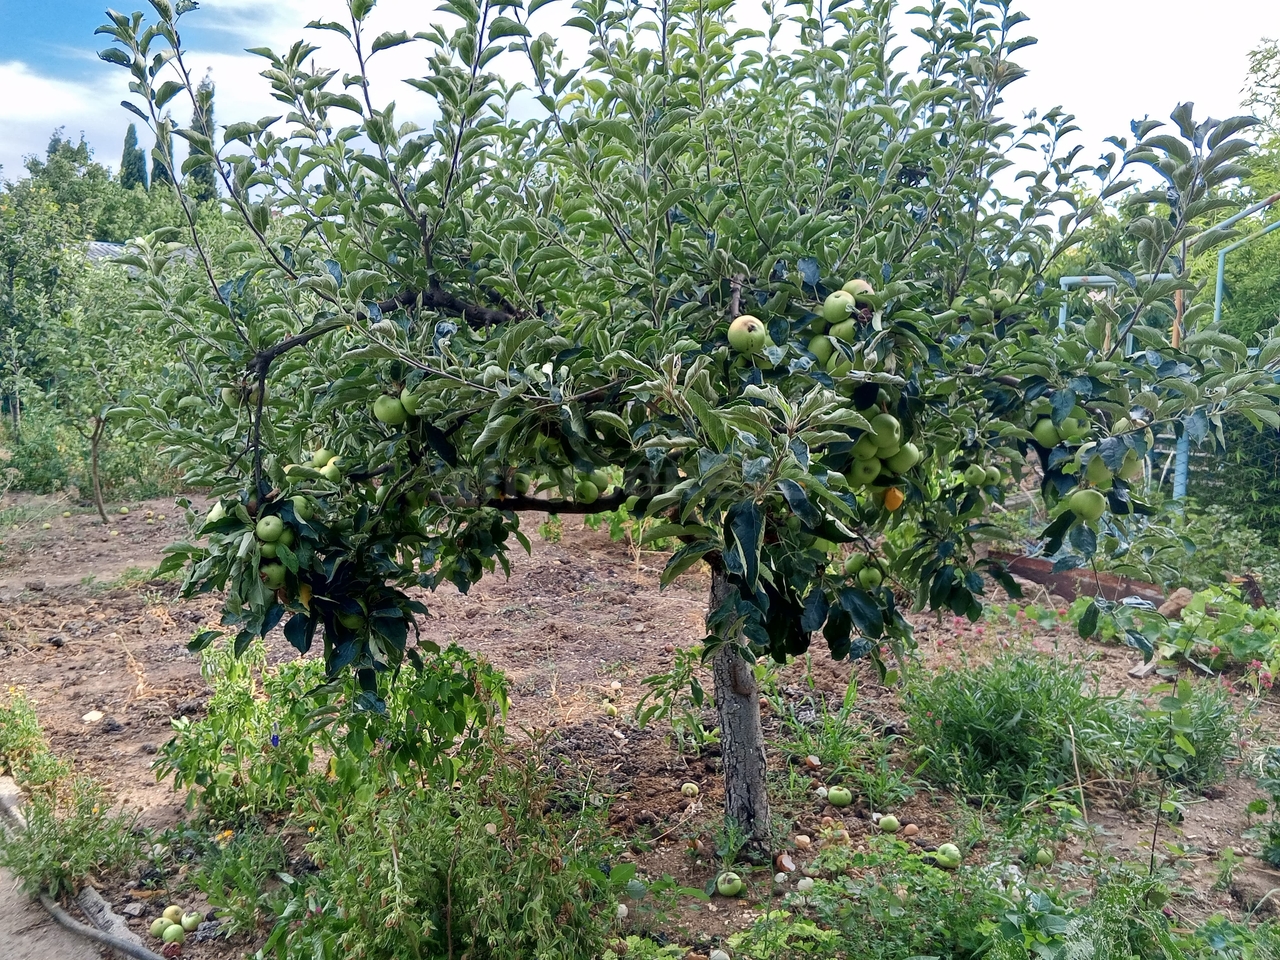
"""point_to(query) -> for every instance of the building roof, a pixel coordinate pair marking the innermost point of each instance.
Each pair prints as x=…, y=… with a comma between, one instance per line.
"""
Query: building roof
x=96, y=250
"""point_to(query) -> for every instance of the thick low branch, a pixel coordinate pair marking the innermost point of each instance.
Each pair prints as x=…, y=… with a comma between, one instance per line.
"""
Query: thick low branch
x=474, y=314
x=526, y=504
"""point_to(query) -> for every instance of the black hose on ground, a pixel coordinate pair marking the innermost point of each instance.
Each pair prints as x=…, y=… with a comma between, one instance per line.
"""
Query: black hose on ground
x=67, y=922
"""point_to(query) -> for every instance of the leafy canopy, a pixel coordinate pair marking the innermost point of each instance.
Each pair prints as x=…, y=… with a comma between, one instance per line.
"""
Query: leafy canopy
x=536, y=291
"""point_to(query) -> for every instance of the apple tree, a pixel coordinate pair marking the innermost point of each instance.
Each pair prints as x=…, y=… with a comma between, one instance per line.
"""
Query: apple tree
x=765, y=287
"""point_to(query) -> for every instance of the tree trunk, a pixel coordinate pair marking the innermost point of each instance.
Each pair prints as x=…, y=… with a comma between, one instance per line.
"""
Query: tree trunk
x=94, y=443
x=746, y=797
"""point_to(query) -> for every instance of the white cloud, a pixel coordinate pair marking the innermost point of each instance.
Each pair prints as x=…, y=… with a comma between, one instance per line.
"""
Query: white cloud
x=33, y=105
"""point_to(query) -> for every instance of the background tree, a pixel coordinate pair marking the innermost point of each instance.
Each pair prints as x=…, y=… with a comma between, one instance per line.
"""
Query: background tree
x=133, y=164
x=203, y=183
x=506, y=314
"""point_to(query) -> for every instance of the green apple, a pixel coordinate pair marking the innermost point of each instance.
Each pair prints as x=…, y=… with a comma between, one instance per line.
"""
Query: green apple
x=49, y=526
x=218, y=512
x=302, y=508
x=948, y=856
x=864, y=471
x=585, y=491
x=748, y=334
x=158, y=926
x=1046, y=433
x=906, y=458
x=409, y=401
x=231, y=397
x=837, y=307
x=1131, y=468
x=331, y=472
x=993, y=476
x=870, y=577
x=269, y=550
x=269, y=529
x=889, y=824
x=352, y=621
x=729, y=885
x=172, y=913
x=886, y=431
x=858, y=286
x=66, y=514
x=689, y=790
x=1087, y=504
x=865, y=448
x=321, y=458
x=272, y=575
x=845, y=330
x=521, y=483
x=390, y=411
x=822, y=348
x=1097, y=471
x=975, y=475
x=839, y=796
x=837, y=365
x=190, y=921
x=1076, y=425
x=174, y=933
x=1044, y=857
x=854, y=564
x=601, y=480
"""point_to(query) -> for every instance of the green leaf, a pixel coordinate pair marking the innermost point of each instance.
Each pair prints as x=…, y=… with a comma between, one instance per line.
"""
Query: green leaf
x=506, y=27
x=707, y=417
x=493, y=432
x=684, y=558
x=1088, y=625
x=745, y=524
x=387, y=40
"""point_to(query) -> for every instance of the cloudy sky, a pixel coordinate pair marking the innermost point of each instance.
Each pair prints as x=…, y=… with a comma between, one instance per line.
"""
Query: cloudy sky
x=1105, y=60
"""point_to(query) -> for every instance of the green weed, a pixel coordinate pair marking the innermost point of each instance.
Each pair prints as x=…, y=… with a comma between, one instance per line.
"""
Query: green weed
x=242, y=879
x=71, y=834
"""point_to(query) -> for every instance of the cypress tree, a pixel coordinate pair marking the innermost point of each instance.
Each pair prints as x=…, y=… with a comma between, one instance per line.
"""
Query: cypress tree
x=203, y=182
x=133, y=164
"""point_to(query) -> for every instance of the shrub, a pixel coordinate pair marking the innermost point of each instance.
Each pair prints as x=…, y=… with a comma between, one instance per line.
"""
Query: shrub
x=24, y=753
x=44, y=453
x=257, y=749
x=487, y=870
x=70, y=835
x=1220, y=540
x=239, y=876
x=1187, y=737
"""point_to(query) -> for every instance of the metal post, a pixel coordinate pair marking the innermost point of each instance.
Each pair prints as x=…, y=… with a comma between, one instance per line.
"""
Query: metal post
x=1183, y=454
x=1181, y=459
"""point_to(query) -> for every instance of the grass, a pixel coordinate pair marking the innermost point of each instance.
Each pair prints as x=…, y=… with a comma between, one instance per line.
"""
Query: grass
x=1024, y=727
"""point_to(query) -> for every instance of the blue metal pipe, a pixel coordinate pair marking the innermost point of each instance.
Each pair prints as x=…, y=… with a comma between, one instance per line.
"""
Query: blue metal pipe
x=1182, y=456
x=1222, y=264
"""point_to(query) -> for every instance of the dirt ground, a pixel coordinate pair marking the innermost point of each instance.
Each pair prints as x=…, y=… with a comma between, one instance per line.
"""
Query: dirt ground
x=84, y=633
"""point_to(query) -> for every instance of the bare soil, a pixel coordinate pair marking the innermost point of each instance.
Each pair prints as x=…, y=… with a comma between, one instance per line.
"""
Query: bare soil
x=572, y=619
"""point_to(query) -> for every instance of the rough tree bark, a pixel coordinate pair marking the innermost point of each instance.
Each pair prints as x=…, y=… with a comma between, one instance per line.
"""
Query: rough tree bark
x=742, y=740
